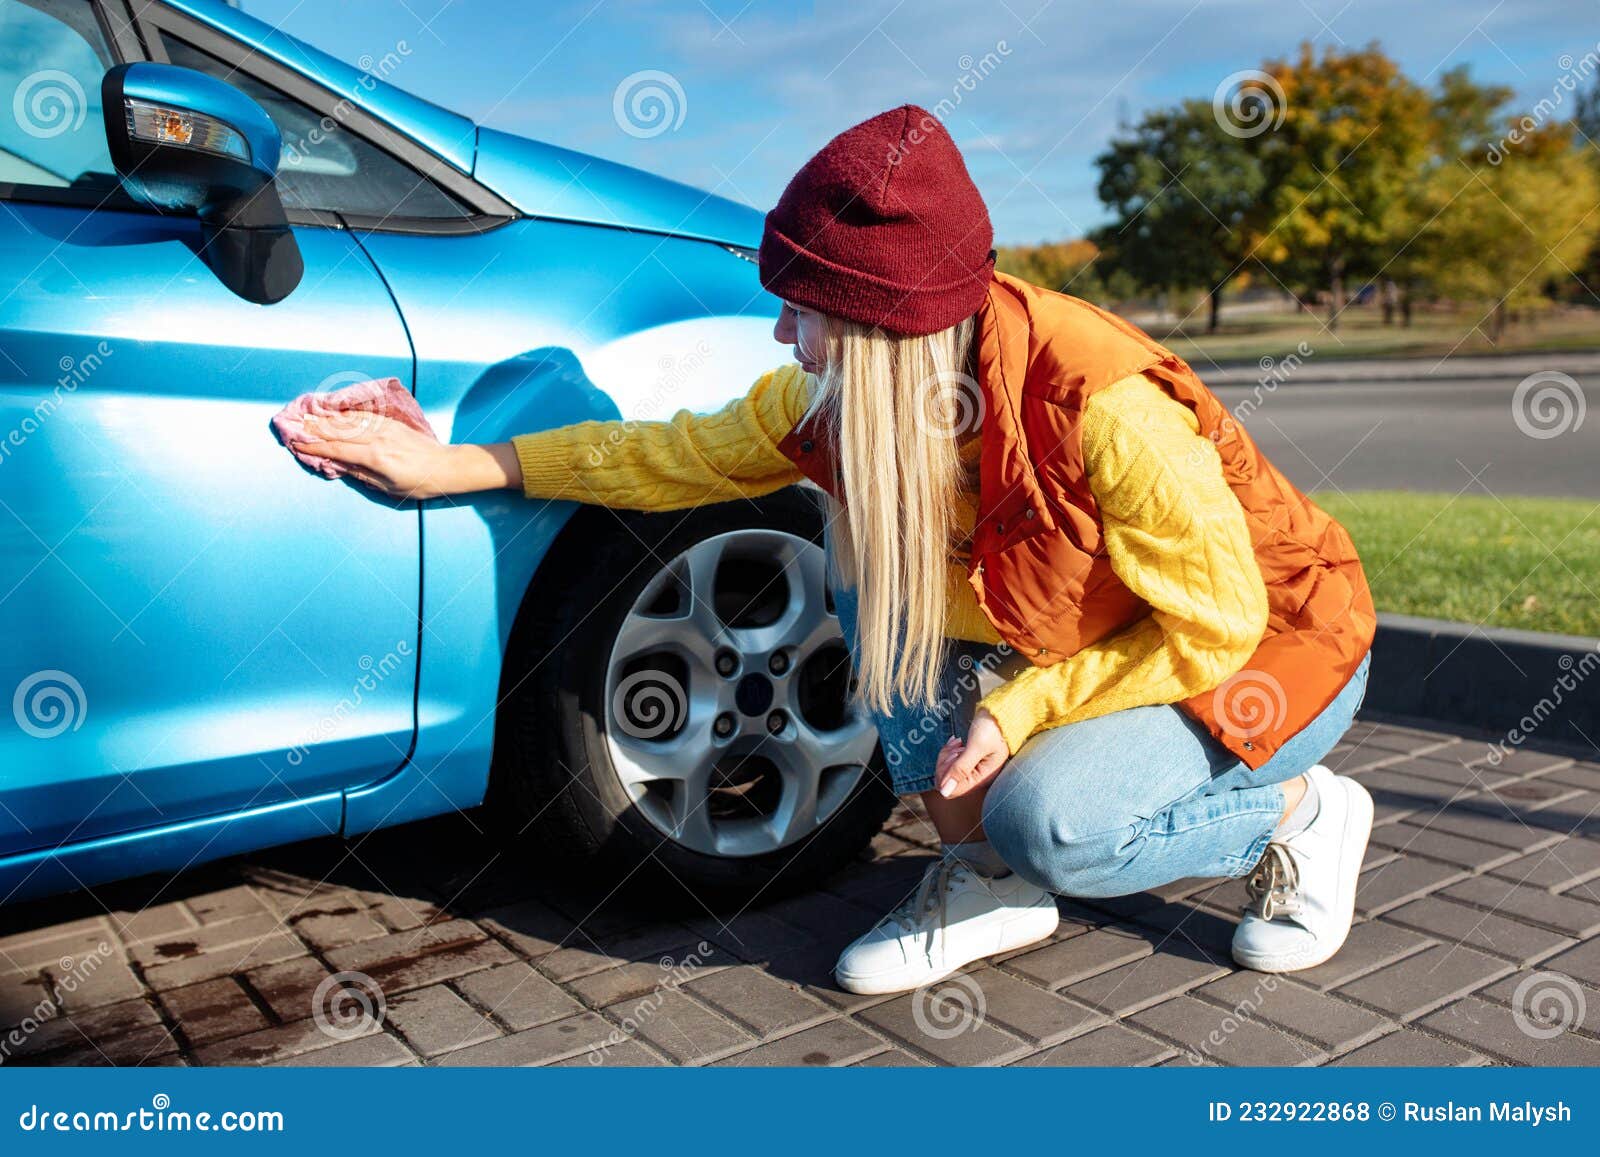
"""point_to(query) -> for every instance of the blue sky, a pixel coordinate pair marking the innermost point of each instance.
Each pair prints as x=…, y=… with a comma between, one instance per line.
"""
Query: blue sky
x=765, y=83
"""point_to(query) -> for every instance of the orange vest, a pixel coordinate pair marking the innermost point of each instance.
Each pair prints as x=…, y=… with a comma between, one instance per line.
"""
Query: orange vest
x=1038, y=563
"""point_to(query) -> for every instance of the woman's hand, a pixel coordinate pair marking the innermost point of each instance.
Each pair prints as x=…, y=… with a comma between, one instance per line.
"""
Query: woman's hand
x=965, y=766
x=392, y=457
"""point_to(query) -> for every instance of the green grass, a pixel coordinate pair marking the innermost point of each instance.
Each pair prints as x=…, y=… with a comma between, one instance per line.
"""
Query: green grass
x=1532, y=563
x=1361, y=333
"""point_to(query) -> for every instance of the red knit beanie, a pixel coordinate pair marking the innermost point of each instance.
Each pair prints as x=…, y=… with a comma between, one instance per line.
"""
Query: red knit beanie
x=884, y=227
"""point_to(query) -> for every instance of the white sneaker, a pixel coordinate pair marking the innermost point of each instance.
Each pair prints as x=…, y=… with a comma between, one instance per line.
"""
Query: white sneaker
x=1303, y=892
x=954, y=917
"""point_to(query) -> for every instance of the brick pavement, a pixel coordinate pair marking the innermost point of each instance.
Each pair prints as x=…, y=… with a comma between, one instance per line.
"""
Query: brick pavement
x=1479, y=915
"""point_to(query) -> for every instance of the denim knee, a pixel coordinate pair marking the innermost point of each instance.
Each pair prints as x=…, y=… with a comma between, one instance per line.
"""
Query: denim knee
x=1043, y=850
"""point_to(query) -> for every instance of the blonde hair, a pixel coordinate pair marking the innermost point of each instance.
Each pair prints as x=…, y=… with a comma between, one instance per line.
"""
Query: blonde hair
x=897, y=407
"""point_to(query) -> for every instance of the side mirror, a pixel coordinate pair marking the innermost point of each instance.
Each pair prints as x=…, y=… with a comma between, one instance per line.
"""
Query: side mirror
x=185, y=142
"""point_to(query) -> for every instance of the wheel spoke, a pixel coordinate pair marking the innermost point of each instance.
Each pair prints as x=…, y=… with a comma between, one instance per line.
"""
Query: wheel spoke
x=797, y=810
x=807, y=621
x=802, y=755
x=691, y=814
x=700, y=567
x=642, y=634
x=685, y=762
x=640, y=761
x=852, y=743
x=694, y=632
x=804, y=620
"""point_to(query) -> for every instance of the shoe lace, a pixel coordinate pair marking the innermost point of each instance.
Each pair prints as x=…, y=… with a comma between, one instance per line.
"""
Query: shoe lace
x=929, y=898
x=1274, y=884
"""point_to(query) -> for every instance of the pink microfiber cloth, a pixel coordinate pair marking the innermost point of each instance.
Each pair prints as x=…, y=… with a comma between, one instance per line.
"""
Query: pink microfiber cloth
x=347, y=415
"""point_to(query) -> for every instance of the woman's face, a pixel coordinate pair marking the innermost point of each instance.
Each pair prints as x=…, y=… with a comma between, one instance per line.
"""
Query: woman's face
x=806, y=330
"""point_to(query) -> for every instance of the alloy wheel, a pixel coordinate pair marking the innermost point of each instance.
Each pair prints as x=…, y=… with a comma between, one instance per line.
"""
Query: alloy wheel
x=727, y=713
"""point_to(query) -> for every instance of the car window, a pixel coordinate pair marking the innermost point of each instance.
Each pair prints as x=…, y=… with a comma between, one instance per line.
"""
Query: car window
x=325, y=166
x=52, y=58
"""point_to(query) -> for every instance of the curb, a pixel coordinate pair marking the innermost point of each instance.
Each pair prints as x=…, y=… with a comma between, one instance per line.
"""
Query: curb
x=1524, y=685
x=1412, y=370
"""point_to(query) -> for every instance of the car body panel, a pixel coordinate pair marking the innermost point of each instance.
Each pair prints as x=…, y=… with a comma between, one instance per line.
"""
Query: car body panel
x=544, y=180
x=171, y=847
x=237, y=631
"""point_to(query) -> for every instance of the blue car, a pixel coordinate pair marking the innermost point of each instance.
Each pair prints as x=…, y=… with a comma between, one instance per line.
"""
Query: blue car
x=209, y=649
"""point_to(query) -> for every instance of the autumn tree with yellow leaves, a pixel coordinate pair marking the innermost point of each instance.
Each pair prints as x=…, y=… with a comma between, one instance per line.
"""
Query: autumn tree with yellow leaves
x=1331, y=170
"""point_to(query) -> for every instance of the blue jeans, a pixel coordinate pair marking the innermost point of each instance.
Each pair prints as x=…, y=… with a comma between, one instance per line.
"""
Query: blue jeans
x=1115, y=805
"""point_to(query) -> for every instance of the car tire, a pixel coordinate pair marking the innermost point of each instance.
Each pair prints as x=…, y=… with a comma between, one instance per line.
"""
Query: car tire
x=665, y=712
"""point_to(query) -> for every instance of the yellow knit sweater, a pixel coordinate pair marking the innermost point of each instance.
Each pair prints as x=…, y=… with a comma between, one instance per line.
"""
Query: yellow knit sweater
x=1175, y=533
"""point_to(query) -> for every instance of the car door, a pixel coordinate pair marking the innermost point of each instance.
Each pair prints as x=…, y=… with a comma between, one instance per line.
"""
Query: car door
x=193, y=624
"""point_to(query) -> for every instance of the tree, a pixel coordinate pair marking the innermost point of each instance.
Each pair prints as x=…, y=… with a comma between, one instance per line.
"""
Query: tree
x=1064, y=266
x=1466, y=123
x=1466, y=116
x=1186, y=193
x=1586, y=123
x=1587, y=118
x=1501, y=232
x=1354, y=135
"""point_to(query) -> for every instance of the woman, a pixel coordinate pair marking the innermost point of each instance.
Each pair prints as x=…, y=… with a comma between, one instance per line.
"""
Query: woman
x=1188, y=634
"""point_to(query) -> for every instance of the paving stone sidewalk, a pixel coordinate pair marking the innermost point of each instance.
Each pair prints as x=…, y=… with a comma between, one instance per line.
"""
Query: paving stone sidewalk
x=1478, y=942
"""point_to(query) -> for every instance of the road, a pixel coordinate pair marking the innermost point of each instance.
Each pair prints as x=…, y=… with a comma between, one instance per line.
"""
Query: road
x=1442, y=433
